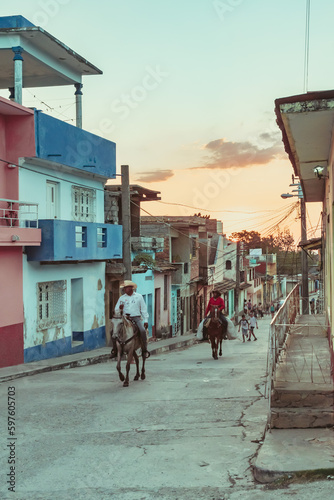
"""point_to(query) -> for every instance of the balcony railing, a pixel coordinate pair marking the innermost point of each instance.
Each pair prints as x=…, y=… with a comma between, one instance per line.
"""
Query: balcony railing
x=279, y=328
x=14, y=213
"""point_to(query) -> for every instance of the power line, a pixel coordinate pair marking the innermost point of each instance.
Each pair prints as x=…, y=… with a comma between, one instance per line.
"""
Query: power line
x=215, y=211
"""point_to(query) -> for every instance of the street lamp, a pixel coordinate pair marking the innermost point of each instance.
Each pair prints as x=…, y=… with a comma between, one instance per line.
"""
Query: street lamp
x=300, y=195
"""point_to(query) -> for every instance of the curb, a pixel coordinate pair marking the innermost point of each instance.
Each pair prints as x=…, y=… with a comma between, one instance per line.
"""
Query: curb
x=91, y=360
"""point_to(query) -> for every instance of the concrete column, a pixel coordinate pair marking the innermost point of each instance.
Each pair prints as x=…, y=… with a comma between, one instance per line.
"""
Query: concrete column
x=18, y=73
x=305, y=294
x=78, y=104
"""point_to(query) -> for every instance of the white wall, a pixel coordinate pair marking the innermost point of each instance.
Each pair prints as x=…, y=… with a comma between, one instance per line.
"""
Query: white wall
x=32, y=188
x=93, y=275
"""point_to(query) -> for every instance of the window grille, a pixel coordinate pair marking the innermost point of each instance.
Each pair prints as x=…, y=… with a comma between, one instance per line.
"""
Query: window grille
x=51, y=304
x=83, y=203
x=101, y=237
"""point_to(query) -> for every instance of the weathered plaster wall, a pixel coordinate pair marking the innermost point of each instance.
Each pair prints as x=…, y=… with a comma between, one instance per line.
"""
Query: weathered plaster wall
x=93, y=276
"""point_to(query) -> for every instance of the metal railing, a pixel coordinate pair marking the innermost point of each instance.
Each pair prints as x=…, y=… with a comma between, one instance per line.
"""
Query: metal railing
x=14, y=213
x=279, y=328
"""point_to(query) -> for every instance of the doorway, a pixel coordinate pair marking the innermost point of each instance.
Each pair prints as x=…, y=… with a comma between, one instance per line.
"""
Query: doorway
x=77, y=317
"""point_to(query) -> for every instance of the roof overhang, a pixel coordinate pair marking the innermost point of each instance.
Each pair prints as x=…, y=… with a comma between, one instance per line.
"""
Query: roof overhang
x=47, y=62
x=306, y=122
x=312, y=244
x=225, y=285
x=137, y=192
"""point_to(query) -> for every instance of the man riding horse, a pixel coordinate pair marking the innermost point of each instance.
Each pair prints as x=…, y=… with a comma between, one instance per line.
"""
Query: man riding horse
x=133, y=304
x=216, y=301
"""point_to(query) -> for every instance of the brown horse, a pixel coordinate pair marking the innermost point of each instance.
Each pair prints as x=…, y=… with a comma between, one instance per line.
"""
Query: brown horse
x=216, y=332
x=127, y=341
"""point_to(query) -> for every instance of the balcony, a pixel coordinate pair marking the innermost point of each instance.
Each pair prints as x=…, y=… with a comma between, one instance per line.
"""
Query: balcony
x=19, y=223
x=72, y=241
x=146, y=243
x=71, y=146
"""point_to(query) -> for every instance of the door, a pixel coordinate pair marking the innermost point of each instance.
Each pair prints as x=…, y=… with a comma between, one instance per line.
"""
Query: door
x=157, y=295
x=52, y=194
x=77, y=318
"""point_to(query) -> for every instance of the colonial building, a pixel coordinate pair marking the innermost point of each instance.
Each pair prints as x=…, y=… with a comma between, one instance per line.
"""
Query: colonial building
x=53, y=239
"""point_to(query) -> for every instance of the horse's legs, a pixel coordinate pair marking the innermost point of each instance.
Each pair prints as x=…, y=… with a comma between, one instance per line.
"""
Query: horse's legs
x=142, y=375
x=220, y=347
x=118, y=366
x=216, y=347
x=135, y=355
x=213, y=346
x=211, y=340
x=128, y=363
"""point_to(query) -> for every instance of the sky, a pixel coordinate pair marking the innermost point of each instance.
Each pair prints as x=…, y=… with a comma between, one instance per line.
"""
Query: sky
x=187, y=93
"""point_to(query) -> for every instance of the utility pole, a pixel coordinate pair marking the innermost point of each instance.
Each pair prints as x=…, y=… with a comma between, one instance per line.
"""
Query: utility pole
x=126, y=221
x=305, y=295
x=237, y=286
x=266, y=293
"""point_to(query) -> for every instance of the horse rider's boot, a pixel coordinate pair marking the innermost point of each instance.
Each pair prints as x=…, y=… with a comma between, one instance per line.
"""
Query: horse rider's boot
x=144, y=352
x=113, y=353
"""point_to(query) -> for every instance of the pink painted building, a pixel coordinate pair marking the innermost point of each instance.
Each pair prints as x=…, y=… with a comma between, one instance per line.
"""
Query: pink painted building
x=17, y=139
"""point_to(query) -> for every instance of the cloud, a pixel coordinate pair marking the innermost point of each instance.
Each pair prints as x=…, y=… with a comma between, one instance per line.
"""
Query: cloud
x=156, y=176
x=225, y=154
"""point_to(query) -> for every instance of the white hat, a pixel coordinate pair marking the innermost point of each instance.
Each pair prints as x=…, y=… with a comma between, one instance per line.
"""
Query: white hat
x=128, y=283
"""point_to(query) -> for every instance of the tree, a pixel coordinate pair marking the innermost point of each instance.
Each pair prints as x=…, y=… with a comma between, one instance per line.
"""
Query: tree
x=282, y=241
x=144, y=259
x=252, y=239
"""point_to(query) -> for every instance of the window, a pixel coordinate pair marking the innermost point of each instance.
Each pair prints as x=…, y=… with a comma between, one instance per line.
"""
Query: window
x=83, y=204
x=193, y=247
x=185, y=268
x=101, y=237
x=228, y=264
x=51, y=304
x=80, y=236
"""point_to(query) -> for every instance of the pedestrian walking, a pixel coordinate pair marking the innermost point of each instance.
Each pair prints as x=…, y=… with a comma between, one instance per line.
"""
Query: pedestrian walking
x=260, y=309
x=252, y=325
x=272, y=310
x=244, y=325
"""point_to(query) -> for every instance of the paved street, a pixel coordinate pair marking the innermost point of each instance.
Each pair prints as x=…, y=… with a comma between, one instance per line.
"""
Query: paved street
x=189, y=431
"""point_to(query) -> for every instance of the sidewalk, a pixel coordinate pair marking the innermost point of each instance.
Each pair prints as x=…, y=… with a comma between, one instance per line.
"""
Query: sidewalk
x=89, y=358
x=301, y=442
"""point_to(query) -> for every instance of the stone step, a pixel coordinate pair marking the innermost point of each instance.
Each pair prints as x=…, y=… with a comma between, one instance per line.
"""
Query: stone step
x=301, y=418
x=322, y=397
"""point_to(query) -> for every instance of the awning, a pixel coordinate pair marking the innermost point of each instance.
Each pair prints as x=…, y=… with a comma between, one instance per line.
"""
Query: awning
x=225, y=285
x=312, y=244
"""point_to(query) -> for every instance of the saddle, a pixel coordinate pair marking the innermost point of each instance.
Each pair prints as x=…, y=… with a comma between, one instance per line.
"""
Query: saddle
x=134, y=325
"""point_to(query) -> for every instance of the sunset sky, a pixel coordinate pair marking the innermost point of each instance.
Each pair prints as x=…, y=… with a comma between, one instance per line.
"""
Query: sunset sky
x=187, y=93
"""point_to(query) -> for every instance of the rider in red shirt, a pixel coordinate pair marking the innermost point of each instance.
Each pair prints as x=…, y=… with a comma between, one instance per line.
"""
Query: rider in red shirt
x=216, y=300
